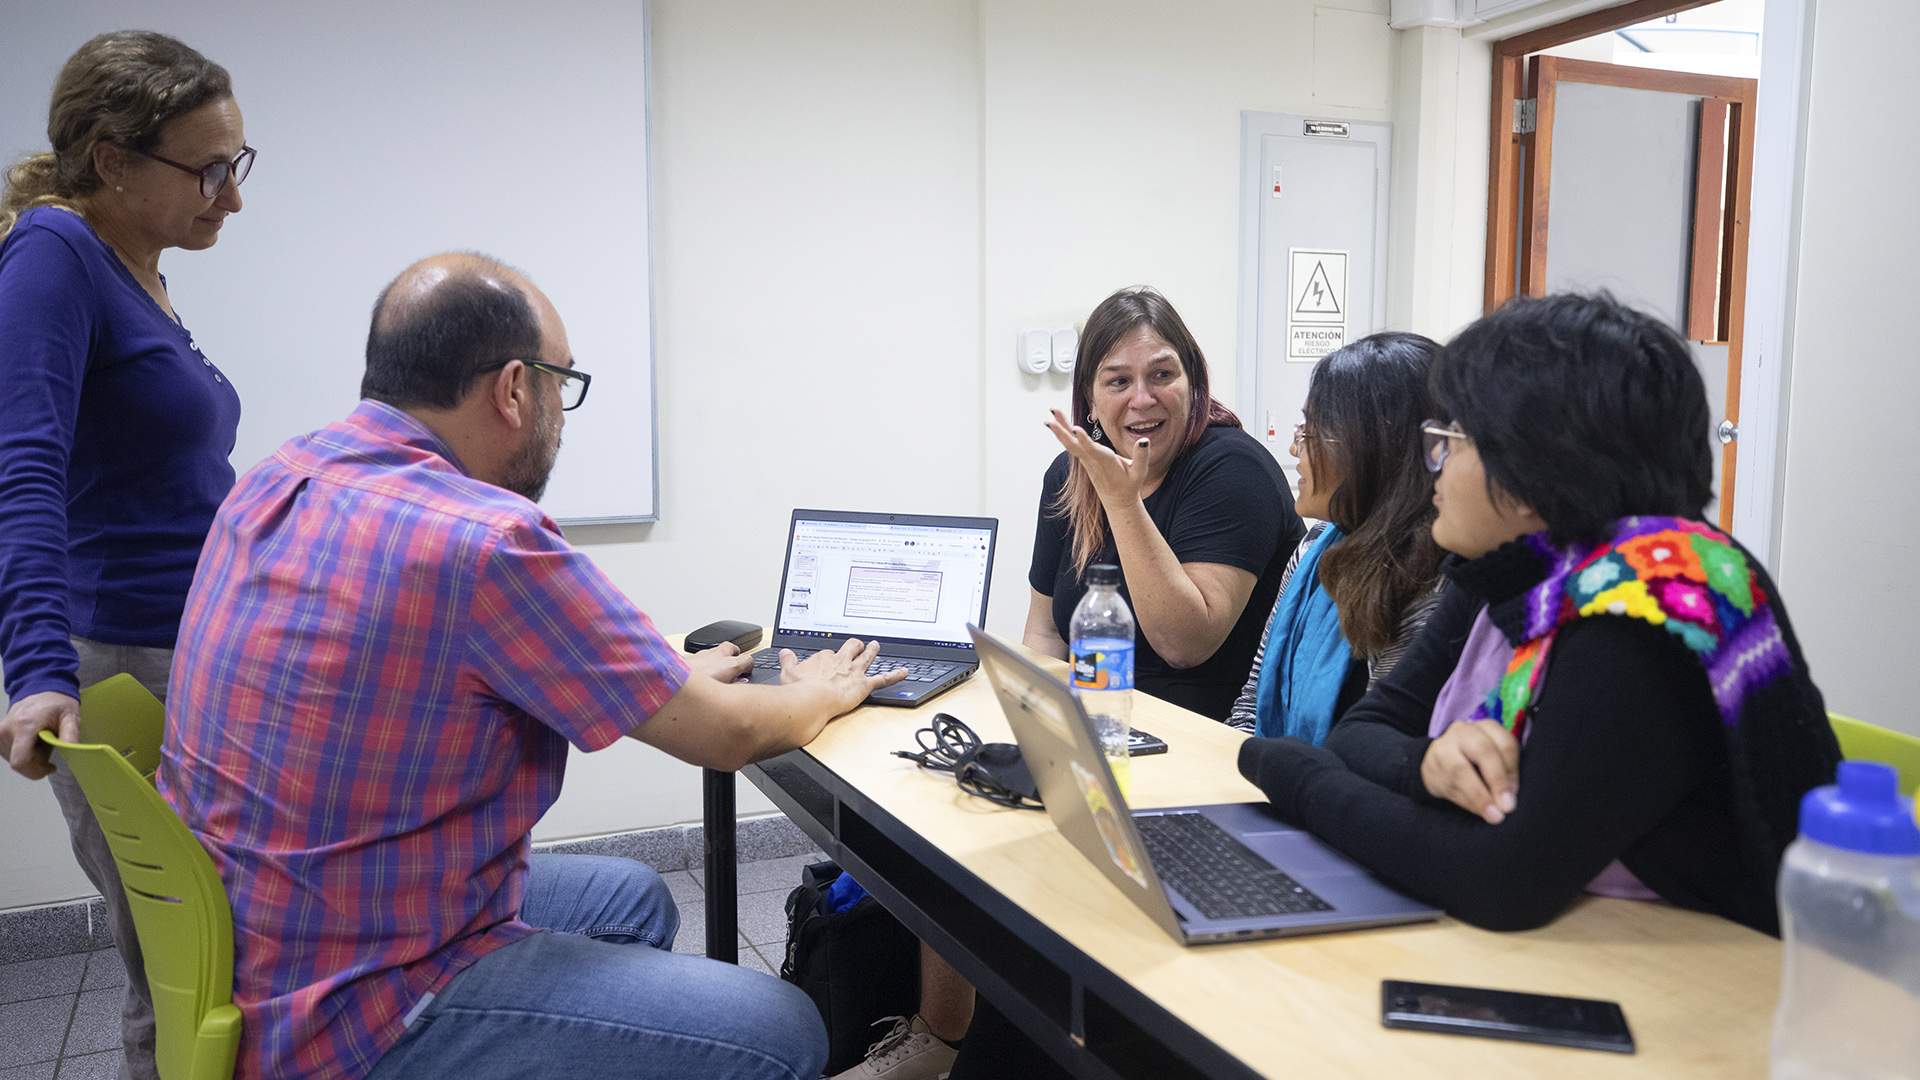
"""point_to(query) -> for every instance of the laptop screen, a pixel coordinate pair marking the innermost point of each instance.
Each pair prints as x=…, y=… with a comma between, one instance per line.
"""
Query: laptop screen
x=919, y=583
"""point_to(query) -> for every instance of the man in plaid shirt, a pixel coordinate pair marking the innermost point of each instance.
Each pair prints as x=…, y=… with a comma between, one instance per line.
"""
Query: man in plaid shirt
x=385, y=653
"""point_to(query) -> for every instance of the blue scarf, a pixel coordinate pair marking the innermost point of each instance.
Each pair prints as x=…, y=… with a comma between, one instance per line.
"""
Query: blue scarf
x=1307, y=655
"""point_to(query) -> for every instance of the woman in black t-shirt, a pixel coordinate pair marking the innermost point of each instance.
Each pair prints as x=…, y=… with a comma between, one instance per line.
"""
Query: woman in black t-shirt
x=1158, y=478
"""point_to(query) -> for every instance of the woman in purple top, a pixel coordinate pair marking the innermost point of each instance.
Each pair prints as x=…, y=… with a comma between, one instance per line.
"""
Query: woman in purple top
x=113, y=452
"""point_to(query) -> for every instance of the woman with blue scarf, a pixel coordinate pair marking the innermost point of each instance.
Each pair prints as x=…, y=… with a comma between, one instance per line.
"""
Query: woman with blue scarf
x=1363, y=582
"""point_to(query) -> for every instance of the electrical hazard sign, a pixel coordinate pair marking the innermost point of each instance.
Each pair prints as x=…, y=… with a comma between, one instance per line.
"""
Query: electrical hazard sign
x=1316, y=303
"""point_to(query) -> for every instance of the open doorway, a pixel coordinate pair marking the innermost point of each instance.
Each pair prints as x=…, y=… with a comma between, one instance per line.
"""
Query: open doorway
x=1622, y=160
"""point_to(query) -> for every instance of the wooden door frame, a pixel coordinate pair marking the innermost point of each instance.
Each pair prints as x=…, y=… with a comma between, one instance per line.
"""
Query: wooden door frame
x=1503, y=168
x=1516, y=231
x=1733, y=95
x=1732, y=99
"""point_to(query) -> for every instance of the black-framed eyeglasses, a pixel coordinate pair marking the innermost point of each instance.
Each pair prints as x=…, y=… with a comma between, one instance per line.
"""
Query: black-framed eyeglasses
x=573, y=381
x=214, y=176
x=1438, y=441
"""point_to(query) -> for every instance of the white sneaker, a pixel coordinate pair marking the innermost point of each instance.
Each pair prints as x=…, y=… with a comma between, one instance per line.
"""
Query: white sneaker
x=910, y=1051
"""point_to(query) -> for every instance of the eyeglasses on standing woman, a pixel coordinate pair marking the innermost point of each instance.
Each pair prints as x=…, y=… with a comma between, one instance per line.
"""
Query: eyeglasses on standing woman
x=214, y=176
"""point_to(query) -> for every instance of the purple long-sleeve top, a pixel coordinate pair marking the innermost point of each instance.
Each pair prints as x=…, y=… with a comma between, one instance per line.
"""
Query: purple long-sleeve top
x=115, y=431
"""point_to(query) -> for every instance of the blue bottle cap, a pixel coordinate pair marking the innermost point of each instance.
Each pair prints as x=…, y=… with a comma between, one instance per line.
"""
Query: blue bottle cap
x=1863, y=812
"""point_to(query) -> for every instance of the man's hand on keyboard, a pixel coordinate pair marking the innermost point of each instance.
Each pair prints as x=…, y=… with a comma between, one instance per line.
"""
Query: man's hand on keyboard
x=845, y=670
x=722, y=663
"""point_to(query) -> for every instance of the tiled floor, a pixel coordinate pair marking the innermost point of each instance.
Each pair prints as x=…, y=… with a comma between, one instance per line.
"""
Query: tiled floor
x=60, y=1016
x=763, y=890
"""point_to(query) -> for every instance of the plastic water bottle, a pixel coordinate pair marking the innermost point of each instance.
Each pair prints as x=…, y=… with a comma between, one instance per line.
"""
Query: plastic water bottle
x=1100, y=643
x=1850, y=923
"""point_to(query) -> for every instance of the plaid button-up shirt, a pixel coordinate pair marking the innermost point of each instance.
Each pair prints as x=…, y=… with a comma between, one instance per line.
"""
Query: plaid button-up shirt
x=380, y=667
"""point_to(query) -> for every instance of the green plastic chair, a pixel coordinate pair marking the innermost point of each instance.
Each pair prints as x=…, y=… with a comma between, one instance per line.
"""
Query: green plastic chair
x=180, y=911
x=1861, y=741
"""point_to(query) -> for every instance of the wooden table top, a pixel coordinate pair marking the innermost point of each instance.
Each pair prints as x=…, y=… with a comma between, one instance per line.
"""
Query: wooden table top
x=1698, y=990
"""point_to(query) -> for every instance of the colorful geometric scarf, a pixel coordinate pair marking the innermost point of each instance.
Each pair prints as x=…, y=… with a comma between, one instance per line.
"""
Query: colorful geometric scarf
x=1670, y=572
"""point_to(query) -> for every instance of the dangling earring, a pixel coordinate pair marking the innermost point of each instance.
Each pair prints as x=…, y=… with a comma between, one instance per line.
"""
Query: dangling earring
x=1094, y=432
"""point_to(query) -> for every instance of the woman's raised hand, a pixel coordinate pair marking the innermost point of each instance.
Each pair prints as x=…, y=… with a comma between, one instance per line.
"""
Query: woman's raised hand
x=1115, y=479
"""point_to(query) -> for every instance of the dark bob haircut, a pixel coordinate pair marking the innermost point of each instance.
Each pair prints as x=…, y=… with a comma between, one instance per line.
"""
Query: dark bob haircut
x=1582, y=408
x=427, y=353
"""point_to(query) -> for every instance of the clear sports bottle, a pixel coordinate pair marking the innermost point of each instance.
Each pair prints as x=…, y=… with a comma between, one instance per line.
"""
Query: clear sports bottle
x=1850, y=923
x=1100, y=646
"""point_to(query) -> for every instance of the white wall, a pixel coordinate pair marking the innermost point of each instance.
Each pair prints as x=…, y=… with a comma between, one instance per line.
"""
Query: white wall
x=858, y=203
x=1851, y=505
x=1442, y=93
x=1111, y=157
x=817, y=258
x=947, y=175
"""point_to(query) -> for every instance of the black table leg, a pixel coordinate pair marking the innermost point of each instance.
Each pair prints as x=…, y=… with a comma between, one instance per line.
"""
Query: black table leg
x=723, y=874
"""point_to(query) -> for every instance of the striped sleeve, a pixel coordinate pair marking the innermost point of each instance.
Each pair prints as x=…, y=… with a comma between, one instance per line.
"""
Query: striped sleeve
x=1412, y=621
x=1247, y=706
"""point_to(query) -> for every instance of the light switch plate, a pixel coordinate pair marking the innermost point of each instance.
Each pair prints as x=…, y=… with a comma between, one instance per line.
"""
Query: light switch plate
x=1065, y=344
x=1036, y=351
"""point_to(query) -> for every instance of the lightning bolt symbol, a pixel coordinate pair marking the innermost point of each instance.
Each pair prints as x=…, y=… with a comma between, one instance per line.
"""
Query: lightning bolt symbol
x=1317, y=292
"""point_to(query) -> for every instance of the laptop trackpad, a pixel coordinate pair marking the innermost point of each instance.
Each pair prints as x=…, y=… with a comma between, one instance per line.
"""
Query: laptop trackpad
x=1300, y=855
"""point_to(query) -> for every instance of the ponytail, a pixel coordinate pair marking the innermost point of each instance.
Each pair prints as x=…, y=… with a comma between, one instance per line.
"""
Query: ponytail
x=121, y=89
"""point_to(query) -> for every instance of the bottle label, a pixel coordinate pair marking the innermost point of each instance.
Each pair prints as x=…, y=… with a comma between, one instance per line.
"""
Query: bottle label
x=1103, y=664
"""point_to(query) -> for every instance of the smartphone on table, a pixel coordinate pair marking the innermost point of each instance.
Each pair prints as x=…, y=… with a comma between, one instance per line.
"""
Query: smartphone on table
x=1505, y=1014
x=1139, y=743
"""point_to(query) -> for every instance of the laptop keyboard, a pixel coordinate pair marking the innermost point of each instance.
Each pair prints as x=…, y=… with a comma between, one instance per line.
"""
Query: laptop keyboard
x=917, y=670
x=1217, y=873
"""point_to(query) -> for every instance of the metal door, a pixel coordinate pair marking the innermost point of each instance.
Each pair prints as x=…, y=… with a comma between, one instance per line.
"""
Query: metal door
x=1312, y=258
x=1630, y=188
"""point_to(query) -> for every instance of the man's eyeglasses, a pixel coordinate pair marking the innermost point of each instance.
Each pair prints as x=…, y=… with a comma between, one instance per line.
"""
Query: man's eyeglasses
x=573, y=382
x=1438, y=440
x=215, y=176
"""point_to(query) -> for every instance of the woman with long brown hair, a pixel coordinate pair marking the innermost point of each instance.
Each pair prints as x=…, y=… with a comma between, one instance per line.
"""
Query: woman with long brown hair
x=1362, y=583
x=1158, y=478
x=114, y=453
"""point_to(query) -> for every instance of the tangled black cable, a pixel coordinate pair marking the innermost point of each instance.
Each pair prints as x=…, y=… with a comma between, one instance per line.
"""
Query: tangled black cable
x=948, y=745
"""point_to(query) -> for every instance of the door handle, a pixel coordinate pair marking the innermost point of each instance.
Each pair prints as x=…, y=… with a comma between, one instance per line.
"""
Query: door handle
x=1728, y=432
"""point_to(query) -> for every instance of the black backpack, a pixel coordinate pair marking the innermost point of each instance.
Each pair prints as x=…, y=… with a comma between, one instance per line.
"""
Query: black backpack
x=858, y=966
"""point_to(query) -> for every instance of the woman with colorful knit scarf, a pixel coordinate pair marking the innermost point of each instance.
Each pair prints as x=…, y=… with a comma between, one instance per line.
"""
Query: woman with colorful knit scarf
x=1609, y=697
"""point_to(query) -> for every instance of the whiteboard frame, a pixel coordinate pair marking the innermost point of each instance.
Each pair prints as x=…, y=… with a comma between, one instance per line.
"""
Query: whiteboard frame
x=653, y=291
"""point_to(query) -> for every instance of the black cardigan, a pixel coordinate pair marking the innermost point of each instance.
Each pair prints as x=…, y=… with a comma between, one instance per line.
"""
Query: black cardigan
x=1626, y=758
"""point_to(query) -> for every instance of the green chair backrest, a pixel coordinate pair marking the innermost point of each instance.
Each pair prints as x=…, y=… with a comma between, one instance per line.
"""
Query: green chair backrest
x=1861, y=741
x=180, y=911
x=122, y=714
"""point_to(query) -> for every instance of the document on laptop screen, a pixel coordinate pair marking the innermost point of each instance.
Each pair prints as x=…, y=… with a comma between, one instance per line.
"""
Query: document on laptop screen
x=879, y=579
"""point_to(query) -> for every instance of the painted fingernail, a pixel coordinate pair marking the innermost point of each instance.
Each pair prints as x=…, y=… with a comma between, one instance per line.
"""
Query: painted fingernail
x=1506, y=801
x=1493, y=815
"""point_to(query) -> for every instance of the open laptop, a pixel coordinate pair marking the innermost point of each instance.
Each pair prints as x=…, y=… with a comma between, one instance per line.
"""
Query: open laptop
x=912, y=582
x=1225, y=872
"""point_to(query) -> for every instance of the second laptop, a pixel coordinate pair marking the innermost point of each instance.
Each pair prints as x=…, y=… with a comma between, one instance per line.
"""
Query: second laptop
x=912, y=582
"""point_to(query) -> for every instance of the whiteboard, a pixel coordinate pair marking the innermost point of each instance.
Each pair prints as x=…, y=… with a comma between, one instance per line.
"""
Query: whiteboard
x=388, y=132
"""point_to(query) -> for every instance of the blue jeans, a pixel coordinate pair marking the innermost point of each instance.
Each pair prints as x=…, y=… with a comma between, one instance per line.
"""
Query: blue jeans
x=600, y=996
